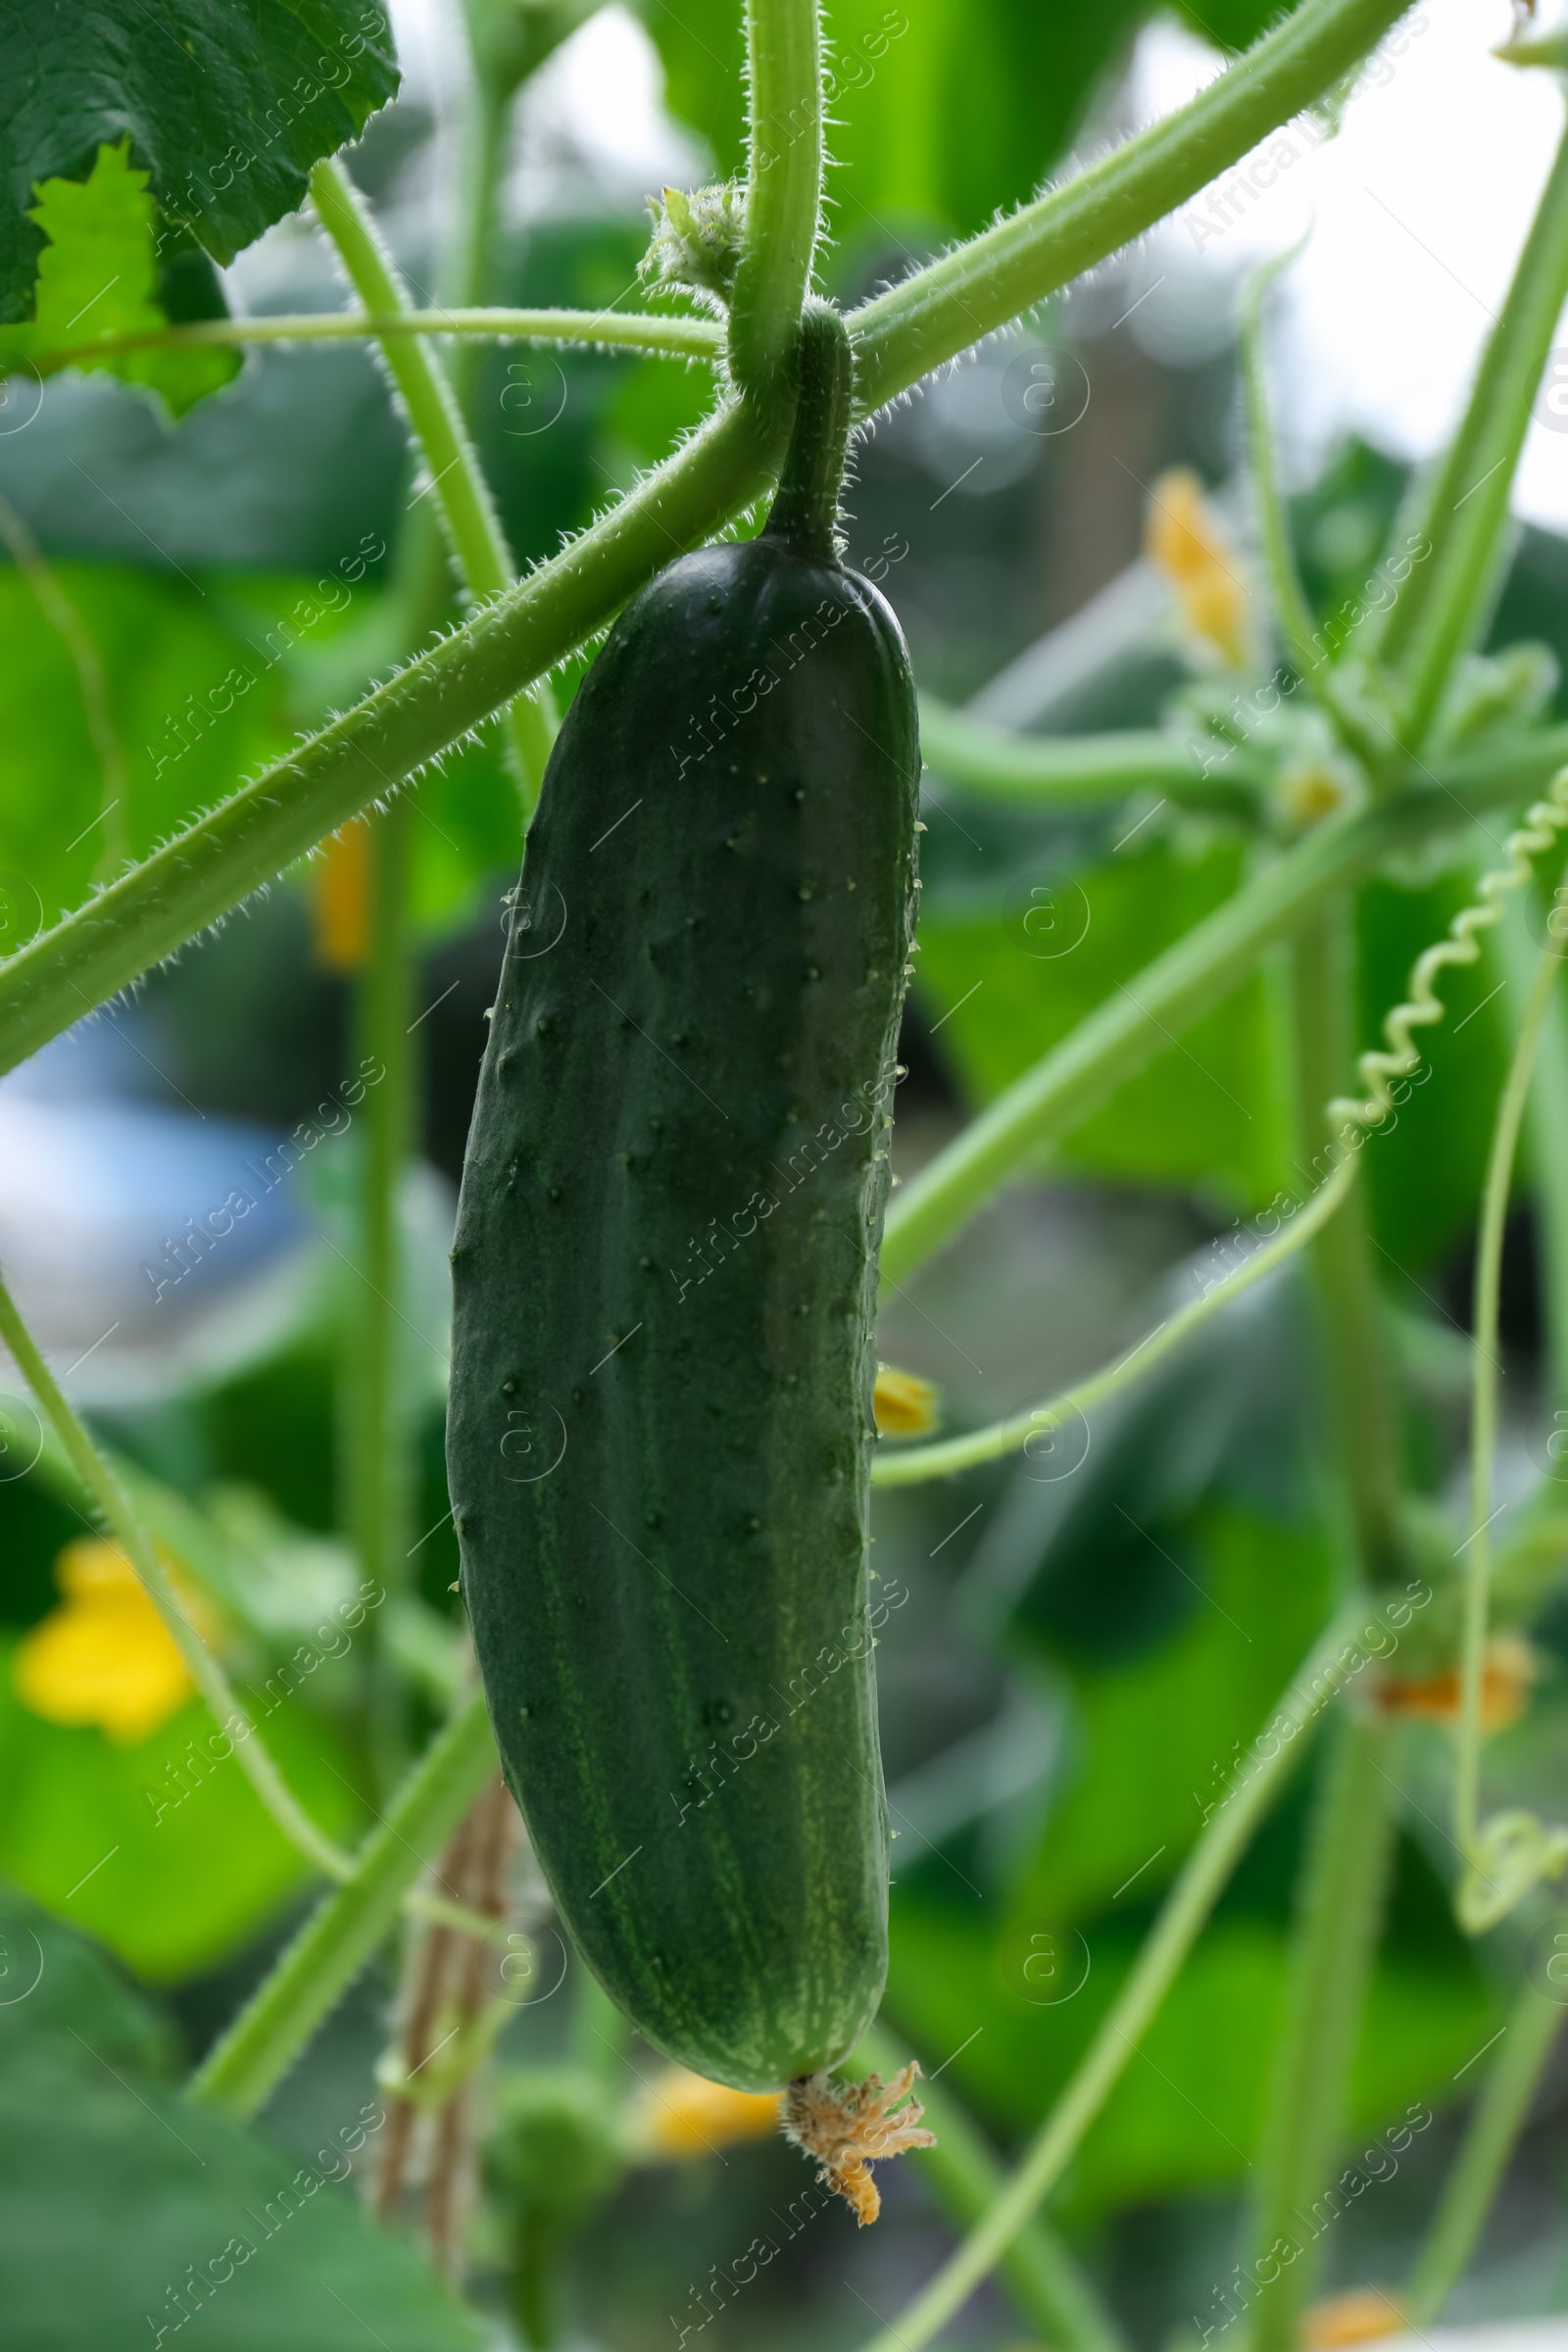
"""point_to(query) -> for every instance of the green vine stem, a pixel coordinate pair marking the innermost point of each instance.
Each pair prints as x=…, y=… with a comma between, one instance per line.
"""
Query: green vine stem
x=783, y=192
x=1047, y=770
x=1181, y=1919
x=1490, y=1887
x=1050, y=2289
x=939, y=310
x=350, y=1922
x=1466, y=510
x=211, y=1683
x=1356, y=1381
x=1333, y=1950
x=1496, y=2123
x=657, y=335
x=909, y=1466
x=456, y=480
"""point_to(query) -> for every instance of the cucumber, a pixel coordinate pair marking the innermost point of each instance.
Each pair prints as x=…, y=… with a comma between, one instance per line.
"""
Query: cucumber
x=665, y=1285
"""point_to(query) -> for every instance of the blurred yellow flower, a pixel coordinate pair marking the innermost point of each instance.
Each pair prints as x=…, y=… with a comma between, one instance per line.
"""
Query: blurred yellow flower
x=1311, y=790
x=1509, y=1672
x=904, y=1406
x=1358, y=2316
x=682, y=2115
x=1184, y=538
x=104, y=1656
x=342, y=898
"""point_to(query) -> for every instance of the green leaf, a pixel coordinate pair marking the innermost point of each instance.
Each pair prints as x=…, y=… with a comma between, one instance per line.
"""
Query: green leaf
x=173, y=1883
x=1006, y=985
x=97, y=276
x=125, y=2212
x=227, y=104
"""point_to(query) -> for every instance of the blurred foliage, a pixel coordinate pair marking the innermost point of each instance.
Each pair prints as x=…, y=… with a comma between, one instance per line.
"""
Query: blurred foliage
x=192, y=2217
x=1006, y=985
x=943, y=116
x=173, y=1882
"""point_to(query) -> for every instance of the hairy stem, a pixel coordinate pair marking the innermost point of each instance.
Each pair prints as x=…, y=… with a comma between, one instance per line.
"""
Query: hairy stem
x=456, y=480
x=1333, y=1949
x=462, y=495
x=345, y=1929
x=1496, y=2123
x=1466, y=511
x=1052, y=2294
x=1485, y=1370
x=939, y=310
x=233, y=1719
x=783, y=190
x=1181, y=1919
x=806, y=504
x=658, y=336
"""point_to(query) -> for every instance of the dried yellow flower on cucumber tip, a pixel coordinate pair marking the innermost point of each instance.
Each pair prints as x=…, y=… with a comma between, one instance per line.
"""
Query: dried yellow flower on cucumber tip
x=846, y=2124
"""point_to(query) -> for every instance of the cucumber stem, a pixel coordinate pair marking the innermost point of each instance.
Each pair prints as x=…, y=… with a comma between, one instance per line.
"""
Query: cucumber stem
x=805, y=506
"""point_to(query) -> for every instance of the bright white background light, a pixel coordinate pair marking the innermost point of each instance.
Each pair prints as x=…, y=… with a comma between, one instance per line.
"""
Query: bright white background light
x=1414, y=215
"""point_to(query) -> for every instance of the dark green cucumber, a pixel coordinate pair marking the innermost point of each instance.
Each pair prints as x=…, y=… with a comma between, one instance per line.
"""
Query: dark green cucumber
x=665, y=1285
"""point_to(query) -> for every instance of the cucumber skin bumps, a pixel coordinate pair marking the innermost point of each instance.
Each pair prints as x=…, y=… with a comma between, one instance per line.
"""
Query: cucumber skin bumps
x=664, y=1287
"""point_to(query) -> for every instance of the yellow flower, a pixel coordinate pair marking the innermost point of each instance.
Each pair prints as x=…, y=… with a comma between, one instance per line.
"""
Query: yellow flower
x=104, y=1656
x=1184, y=538
x=682, y=2115
x=904, y=1406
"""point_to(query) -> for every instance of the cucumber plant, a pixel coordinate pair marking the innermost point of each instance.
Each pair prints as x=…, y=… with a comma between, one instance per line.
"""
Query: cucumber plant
x=738, y=900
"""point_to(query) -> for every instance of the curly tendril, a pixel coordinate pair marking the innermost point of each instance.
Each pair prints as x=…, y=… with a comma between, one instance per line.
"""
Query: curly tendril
x=1380, y=1067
